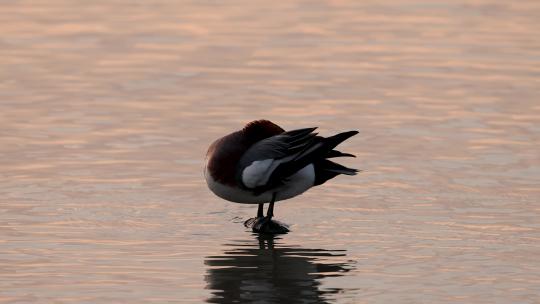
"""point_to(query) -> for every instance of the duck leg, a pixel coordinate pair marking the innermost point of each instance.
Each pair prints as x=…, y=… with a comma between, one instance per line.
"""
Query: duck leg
x=270, y=212
x=260, y=216
x=260, y=210
x=267, y=225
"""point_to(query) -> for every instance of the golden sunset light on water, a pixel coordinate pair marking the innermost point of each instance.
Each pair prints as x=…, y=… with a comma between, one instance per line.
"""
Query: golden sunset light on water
x=107, y=109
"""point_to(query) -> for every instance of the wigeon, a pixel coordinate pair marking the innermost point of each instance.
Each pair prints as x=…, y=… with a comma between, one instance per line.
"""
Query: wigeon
x=262, y=163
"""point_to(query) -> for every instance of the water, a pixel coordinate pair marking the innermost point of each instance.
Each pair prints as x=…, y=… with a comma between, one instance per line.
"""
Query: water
x=107, y=109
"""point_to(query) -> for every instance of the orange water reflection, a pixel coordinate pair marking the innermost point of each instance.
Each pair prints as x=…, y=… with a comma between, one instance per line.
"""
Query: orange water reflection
x=107, y=108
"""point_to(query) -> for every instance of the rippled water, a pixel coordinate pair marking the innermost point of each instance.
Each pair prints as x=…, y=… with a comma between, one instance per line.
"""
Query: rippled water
x=107, y=108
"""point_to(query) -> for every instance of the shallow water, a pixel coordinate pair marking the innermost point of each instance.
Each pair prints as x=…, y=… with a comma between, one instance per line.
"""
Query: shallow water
x=107, y=109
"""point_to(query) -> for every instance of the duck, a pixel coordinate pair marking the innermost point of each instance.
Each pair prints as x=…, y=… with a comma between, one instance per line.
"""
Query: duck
x=262, y=163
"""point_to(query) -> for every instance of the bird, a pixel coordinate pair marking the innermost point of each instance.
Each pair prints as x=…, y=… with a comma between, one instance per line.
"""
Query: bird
x=262, y=163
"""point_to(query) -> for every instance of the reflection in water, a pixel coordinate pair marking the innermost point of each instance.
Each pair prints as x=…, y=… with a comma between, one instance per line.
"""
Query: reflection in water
x=108, y=106
x=263, y=271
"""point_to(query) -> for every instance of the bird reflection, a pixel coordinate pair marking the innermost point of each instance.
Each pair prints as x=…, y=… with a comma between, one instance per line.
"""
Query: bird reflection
x=262, y=272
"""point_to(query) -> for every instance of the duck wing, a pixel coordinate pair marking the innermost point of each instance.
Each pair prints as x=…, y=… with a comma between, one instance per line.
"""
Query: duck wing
x=268, y=163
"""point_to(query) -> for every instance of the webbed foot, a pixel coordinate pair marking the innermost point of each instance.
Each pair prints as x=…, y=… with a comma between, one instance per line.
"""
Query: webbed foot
x=266, y=225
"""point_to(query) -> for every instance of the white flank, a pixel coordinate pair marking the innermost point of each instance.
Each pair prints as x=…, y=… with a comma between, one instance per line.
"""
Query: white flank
x=296, y=185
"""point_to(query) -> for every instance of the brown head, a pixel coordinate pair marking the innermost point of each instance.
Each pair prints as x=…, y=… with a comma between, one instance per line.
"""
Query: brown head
x=224, y=153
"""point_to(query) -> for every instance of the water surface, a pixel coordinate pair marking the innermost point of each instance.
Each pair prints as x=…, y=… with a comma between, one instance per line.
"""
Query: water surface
x=107, y=109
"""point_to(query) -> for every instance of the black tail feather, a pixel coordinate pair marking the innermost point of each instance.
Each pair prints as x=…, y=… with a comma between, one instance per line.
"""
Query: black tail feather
x=334, y=167
x=312, y=149
x=332, y=141
x=336, y=153
x=318, y=147
x=326, y=170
